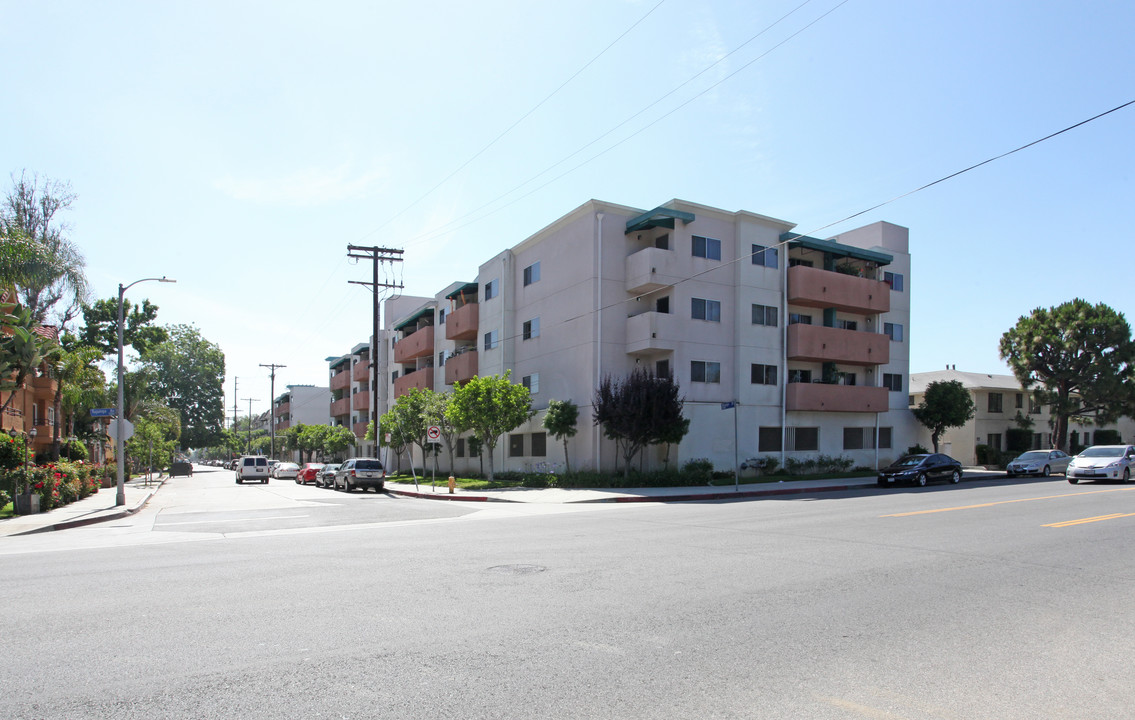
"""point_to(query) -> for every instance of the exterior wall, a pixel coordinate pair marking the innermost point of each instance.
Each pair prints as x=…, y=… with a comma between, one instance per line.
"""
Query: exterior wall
x=608, y=301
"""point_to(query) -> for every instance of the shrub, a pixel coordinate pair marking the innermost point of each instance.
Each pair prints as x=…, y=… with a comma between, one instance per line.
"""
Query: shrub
x=1018, y=440
x=987, y=455
x=698, y=471
x=917, y=449
x=769, y=464
x=4, y=498
x=1108, y=437
x=11, y=451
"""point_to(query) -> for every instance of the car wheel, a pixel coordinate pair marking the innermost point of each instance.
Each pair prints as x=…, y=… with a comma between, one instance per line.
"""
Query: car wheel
x=265, y=481
x=921, y=479
x=239, y=481
x=880, y=483
x=1126, y=475
x=347, y=487
x=1073, y=480
x=1047, y=471
x=1010, y=475
x=298, y=480
x=956, y=476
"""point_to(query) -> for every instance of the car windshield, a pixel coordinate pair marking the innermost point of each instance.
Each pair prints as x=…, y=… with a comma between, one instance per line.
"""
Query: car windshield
x=331, y=467
x=910, y=460
x=1034, y=455
x=1103, y=452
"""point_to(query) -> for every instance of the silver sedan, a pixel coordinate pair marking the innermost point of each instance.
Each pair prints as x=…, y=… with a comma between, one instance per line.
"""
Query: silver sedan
x=1038, y=462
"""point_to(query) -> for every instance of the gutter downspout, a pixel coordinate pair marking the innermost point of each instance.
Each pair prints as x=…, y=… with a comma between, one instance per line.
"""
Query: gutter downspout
x=783, y=351
x=596, y=435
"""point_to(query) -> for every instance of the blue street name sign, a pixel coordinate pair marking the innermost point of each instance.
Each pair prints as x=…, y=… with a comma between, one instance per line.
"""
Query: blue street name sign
x=104, y=412
x=726, y=405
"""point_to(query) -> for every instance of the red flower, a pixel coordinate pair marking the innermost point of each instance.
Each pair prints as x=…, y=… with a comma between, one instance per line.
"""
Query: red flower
x=39, y=486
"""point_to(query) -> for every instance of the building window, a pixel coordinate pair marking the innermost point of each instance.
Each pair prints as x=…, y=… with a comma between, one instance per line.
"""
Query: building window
x=516, y=445
x=803, y=438
x=539, y=444
x=847, y=324
x=459, y=451
x=441, y=316
x=531, y=274
x=764, y=315
x=764, y=256
x=884, y=438
x=1020, y=400
x=707, y=248
x=768, y=439
x=531, y=329
x=762, y=374
x=441, y=359
x=994, y=402
x=799, y=319
x=532, y=382
x=393, y=377
x=662, y=369
x=705, y=309
x=893, y=382
x=894, y=280
x=857, y=438
x=845, y=378
x=995, y=441
x=1034, y=407
x=662, y=305
x=491, y=340
x=662, y=242
x=492, y=289
x=893, y=331
x=799, y=376
x=705, y=372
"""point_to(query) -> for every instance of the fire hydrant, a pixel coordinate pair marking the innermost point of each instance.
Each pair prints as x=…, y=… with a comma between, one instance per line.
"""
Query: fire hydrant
x=451, y=484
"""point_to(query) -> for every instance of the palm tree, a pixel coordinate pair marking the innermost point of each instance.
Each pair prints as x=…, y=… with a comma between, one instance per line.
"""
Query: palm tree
x=77, y=380
x=22, y=349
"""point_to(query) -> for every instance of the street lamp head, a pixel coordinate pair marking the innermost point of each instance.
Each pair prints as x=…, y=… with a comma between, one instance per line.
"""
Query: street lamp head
x=163, y=278
x=32, y=433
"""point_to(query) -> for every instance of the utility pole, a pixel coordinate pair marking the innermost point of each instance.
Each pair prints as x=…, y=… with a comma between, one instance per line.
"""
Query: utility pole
x=272, y=427
x=248, y=445
x=234, y=403
x=376, y=255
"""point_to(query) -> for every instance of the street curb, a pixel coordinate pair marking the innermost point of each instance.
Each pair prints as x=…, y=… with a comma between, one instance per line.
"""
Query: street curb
x=68, y=524
x=445, y=496
x=735, y=495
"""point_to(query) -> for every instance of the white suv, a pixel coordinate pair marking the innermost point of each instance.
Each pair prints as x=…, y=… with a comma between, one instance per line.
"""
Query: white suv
x=1102, y=462
x=252, y=467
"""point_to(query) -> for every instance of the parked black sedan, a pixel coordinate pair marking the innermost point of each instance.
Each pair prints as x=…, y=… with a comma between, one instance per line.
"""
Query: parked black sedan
x=920, y=469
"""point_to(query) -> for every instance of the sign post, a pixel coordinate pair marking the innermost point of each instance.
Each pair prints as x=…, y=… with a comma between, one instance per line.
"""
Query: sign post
x=434, y=435
x=736, y=468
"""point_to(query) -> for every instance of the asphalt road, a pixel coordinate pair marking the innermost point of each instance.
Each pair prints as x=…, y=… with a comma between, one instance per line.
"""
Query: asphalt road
x=981, y=600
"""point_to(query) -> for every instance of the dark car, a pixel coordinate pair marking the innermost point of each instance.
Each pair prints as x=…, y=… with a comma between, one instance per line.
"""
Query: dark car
x=921, y=469
x=181, y=467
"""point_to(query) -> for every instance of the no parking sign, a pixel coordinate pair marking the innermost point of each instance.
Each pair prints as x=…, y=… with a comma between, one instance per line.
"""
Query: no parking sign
x=434, y=434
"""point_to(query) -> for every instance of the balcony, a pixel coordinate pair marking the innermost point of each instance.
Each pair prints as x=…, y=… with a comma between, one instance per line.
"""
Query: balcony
x=461, y=368
x=821, y=397
x=815, y=343
x=341, y=381
x=361, y=371
x=462, y=323
x=283, y=409
x=360, y=401
x=415, y=345
x=651, y=269
x=418, y=379
x=652, y=333
x=341, y=407
x=813, y=287
x=360, y=430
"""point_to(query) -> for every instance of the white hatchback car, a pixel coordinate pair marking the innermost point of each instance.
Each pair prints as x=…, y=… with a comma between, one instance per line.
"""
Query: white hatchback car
x=1041, y=463
x=1102, y=462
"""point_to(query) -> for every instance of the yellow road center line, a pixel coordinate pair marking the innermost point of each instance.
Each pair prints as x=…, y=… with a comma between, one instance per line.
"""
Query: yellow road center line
x=1070, y=523
x=1005, y=502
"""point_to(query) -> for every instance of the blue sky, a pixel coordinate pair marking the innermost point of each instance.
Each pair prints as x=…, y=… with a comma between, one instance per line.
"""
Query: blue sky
x=239, y=147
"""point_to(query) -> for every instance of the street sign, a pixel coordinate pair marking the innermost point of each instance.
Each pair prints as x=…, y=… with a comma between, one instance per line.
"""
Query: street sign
x=727, y=405
x=433, y=433
x=127, y=429
x=104, y=412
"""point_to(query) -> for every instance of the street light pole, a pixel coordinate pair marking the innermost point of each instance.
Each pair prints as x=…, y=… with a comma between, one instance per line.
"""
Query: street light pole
x=120, y=496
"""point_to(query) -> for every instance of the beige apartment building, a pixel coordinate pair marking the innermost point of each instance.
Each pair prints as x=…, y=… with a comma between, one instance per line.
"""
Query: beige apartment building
x=783, y=345
x=997, y=401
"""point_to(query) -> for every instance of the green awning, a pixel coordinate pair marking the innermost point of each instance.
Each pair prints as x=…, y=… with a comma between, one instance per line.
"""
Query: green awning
x=658, y=217
x=466, y=289
x=837, y=249
x=413, y=319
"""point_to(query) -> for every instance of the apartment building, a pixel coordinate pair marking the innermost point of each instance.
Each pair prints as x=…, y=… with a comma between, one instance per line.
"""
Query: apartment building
x=803, y=341
x=302, y=405
x=31, y=406
x=998, y=399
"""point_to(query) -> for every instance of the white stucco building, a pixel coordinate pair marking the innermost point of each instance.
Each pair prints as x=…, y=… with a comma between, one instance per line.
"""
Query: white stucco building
x=808, y=337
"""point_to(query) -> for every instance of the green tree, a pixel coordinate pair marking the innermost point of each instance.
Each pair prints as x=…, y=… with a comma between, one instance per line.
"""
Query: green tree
x=56, y=271
x=338, y=440
x=311, y=441
x=1077, y=358
x=436, y=415
x=100, y=326
x=489, y=407
x=189, y=372
x=639, y=410
x=77, y=377
x=22, y=349
x=945, y=404
x=412, y=413
x=560, y=421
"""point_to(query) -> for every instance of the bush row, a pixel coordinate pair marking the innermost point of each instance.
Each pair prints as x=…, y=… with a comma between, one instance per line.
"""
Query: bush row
x=58, y=483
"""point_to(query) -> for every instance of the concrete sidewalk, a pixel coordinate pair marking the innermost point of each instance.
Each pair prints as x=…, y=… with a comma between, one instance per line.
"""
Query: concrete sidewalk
x=95, y=508
x=646, y=494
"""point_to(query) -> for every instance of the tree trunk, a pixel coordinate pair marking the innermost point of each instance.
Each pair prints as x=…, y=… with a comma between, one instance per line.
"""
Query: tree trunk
x=567, y=462
x=485, y=446
x=55, y=439
x=934, y=439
